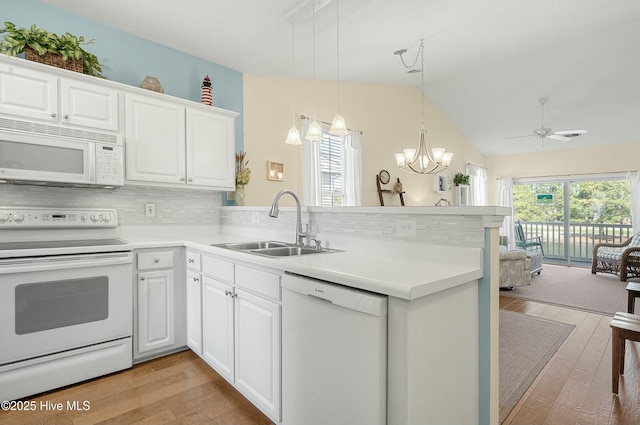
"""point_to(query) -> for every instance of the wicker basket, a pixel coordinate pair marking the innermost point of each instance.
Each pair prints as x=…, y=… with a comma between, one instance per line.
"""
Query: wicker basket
x=53, y=60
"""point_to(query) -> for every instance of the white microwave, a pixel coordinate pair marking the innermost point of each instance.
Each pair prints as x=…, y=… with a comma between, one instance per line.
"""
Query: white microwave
x=61, y=161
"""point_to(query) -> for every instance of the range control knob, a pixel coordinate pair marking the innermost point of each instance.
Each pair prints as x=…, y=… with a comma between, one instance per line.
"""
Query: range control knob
x=3, y=217
x=84, y=217
x=106, y=217
x=95, y=217
x=18, y=218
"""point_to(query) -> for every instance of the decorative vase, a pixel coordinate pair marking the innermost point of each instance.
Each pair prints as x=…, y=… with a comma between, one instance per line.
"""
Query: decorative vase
x=152, y=83
x=239, y=196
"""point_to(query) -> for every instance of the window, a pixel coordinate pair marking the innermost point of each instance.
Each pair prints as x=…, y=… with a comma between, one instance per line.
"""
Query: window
x=331, y=170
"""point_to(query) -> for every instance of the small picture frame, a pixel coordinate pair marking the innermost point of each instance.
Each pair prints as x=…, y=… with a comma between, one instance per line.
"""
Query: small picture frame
x=275, y=171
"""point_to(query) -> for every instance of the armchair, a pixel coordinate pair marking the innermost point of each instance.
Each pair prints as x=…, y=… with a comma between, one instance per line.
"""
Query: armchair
x=527, y=243
x=622, y=258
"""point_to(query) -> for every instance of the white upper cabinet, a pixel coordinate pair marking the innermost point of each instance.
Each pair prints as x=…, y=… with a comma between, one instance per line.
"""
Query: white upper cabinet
x=170, y=144
x=154, y=140
x=25, y=93
x=88, y=105
x=210, y=148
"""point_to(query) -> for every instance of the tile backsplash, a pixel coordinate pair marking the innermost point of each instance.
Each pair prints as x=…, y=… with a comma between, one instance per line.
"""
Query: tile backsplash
x=173, y=206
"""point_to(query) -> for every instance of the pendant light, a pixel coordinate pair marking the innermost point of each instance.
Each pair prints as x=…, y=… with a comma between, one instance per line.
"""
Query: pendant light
x=338, y=125
x=293, y=137
x=421, y=160
x=314, y=133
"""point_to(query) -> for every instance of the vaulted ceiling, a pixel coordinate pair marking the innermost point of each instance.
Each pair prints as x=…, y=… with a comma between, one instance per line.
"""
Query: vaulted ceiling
x=487, y=62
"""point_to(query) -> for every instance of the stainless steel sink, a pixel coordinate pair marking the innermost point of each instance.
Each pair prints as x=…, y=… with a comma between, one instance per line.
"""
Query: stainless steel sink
x=243, y=246
x=273, y=248
x=288, y=251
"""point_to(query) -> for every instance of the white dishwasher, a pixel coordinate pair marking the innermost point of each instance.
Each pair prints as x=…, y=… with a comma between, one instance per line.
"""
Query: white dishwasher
x=334, y=354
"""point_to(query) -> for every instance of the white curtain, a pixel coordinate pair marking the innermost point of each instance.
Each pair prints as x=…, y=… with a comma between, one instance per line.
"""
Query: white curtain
x=311, y=191
x=505, y=199
x=352, y=169
x=634, y=183
x=477, y=185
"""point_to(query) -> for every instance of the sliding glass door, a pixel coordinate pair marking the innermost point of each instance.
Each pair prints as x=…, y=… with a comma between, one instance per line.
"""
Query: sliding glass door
x=573, y=215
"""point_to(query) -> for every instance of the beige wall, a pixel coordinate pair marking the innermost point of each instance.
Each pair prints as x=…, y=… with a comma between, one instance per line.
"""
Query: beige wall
x=588, y=160
x=389, y=116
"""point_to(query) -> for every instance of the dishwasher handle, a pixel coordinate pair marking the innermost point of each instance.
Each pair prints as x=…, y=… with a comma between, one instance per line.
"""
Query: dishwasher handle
x=351, y=298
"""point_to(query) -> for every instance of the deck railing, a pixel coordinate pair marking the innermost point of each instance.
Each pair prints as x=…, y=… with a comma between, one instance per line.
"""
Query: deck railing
x=576, y=241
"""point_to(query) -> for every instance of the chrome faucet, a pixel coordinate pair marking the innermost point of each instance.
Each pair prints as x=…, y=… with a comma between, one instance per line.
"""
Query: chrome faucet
x=300, y=235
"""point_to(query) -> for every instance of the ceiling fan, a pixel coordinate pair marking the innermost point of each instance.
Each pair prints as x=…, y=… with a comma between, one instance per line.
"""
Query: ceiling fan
x=547, y=133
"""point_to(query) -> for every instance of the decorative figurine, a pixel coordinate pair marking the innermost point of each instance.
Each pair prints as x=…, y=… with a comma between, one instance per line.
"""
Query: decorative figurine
x=207, y=96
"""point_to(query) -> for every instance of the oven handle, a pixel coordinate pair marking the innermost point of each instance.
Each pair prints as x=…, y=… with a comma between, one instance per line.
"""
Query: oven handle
x=30, y=264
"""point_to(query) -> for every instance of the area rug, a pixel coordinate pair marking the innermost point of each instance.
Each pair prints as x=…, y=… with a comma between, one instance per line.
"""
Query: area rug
x=526, y=345
x=575, y=288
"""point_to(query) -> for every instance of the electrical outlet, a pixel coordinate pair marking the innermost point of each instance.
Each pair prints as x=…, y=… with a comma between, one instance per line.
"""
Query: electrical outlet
x=150, y=210
x=406, y=228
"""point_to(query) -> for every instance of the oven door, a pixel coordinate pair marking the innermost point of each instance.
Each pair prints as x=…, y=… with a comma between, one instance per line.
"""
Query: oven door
x=53, y=304
x=43, y=158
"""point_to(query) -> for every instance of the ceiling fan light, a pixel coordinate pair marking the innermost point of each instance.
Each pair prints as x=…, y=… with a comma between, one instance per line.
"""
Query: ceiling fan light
x=293, y=138
x=446, y=159
x=338, y=126
x=314, y=133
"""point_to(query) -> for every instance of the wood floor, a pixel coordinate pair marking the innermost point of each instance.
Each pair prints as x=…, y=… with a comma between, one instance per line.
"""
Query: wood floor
x=575, y=386
x=177, y=389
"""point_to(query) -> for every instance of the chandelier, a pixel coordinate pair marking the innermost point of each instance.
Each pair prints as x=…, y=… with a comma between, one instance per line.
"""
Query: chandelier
x=421, y=160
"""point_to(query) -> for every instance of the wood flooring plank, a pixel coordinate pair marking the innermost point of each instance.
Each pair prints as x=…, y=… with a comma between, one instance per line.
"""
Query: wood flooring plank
x=598, y=404
x=566, y=410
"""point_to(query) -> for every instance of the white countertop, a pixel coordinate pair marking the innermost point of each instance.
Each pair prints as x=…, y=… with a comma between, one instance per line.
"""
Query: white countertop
x=407, y=275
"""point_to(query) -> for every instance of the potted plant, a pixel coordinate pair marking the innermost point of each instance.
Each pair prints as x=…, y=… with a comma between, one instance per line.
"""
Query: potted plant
x=38, y=44
x=461, y=179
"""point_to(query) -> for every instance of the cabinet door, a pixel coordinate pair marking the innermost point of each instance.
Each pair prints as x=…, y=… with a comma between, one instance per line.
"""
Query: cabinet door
x=217, y=326
x=155, y=310
x=210, y=149
x=155, y=140
x=29, y=94
x=194, y=312
x=257, y=357
x=88, y=105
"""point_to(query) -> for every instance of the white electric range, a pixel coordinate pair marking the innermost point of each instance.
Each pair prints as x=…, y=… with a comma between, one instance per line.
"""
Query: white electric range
x=65, y=298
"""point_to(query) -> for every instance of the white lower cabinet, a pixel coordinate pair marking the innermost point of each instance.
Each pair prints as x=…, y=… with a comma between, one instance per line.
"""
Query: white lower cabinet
x=159, y=303
x=257, y=355
x=240, y=326
x=155, y=310
x=194, y=312
x=217, y=326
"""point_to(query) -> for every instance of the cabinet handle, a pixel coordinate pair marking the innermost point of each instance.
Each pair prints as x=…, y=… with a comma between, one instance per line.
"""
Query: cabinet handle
x=191, y=260
x=53, y=115
x=181, y=179
x=234, y=295
x=190, y=179
x=142, y=278
x=195, y=279
x=157, y=260
x=66, y=116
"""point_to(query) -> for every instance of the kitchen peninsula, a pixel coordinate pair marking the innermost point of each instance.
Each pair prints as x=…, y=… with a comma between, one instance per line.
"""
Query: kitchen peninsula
x=434, y=263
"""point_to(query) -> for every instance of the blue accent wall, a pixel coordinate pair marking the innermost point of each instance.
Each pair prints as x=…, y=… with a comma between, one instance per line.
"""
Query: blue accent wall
x=127, y=59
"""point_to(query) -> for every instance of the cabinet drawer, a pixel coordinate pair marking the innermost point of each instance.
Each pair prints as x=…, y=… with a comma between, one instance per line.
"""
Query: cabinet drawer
x=258, y=281
x=193, y=260
x=155, y=260
x=218, y=269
